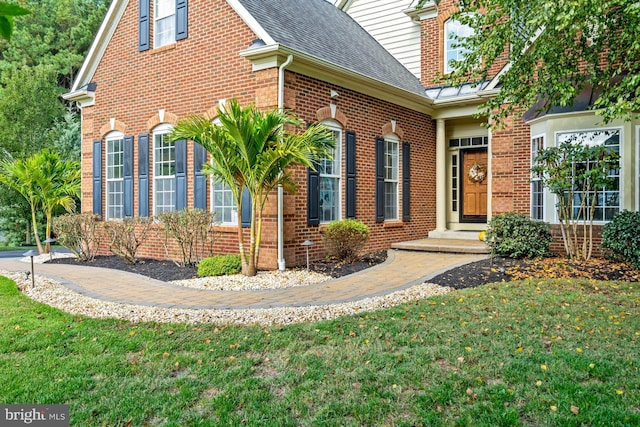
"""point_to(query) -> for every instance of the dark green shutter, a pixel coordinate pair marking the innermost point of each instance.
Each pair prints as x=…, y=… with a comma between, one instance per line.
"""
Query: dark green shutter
x=143, y=25
x=313, y=196
x=350, y=142
x=181, y=19
x=180, y=149
x=128, y=176
x=379, y=180
x=199, y=179
x=143, y=175
x=406, y=181
x=97, y=177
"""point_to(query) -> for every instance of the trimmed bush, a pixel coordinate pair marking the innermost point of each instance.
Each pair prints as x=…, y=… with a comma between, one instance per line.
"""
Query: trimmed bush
x=219, y=265
x=193, y=232
x=621, y=238
x=345, y=239
x=77, y=232
x=127, y=235
x=515, y=235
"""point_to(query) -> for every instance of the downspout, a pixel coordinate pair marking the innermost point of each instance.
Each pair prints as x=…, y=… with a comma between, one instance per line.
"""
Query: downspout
x=281, y=261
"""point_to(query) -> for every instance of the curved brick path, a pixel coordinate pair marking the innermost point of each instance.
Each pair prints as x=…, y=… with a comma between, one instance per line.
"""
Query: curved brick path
x=402, y=269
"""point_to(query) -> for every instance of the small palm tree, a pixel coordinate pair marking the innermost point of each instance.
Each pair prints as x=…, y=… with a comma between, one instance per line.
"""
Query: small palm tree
x=58, y=185
x=44, y=181
x=253, y=150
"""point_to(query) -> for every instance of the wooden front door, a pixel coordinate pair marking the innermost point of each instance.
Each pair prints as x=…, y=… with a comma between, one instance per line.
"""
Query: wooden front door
x=474, y=191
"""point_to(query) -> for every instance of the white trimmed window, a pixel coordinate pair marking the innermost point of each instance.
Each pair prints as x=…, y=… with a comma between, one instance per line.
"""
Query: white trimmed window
x=223, y=205
x=164, y=169
x=608, y=200
x=330, y=172
x=454, y=32
x=115, y=175
x=164, y=23
x=391, y=144
x=537, y=190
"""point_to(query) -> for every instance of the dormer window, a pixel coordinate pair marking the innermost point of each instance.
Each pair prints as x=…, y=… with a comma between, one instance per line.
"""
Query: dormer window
x=454, y=32
x=164, y=23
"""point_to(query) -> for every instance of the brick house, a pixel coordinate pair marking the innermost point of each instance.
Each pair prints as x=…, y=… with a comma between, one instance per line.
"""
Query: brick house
x=365, y=68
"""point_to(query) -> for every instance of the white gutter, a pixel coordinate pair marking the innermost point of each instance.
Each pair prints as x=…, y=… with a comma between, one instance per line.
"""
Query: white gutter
x=281, y=260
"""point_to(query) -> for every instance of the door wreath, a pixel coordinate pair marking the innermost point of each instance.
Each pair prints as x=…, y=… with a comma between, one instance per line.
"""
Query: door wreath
x=477, y=172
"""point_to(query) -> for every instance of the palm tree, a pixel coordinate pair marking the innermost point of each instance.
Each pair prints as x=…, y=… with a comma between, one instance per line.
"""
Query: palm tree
x=58, y=185
x=253, y=150
x=44, y=181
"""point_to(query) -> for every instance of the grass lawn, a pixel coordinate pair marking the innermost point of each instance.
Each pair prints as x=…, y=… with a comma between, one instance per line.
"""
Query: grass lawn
x=538, y=352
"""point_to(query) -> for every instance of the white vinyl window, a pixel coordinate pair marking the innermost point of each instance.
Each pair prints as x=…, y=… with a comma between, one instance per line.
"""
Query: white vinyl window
x=330, y=172
x=391, y=144
x=164, y=167
x=223, y=205
x=164, y=24
x=608, y=200
x=454, y=32
x=115, y=175
x=537, y=190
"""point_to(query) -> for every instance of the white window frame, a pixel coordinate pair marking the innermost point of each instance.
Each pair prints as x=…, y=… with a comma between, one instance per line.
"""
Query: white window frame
x=168, y=15
x=391, y=177
x=111, y=167
x=223, y=188
x=535, y=149
x=461, y=31
x=620, y=162
x=162, y=130
x=335, y=176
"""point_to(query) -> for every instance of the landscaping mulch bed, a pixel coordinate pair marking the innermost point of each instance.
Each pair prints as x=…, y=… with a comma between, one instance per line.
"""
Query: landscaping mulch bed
x=501, y=269
x=498, y=269
x=168, y=270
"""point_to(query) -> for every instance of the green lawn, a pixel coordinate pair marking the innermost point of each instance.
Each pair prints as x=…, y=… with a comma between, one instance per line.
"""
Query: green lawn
x=539, y=352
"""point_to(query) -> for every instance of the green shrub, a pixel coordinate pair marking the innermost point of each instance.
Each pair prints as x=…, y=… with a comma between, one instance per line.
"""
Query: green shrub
x=78, y=233
x=621, y=238
x=517, y=236
x=345, y=239
x=193, y=232
x=219, y=265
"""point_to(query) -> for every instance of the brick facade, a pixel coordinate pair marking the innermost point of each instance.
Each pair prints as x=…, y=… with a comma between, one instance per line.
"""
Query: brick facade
x=137, y=91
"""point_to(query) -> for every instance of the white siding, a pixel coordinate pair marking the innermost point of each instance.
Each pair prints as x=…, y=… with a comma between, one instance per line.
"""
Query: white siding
x=387, y=23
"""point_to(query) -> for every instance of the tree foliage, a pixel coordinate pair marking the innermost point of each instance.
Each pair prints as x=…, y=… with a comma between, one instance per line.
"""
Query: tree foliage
x=577, y=174
x=7, y=12
x=554, y=50
x=46, y=182
x=57, y=34
x=253, y=150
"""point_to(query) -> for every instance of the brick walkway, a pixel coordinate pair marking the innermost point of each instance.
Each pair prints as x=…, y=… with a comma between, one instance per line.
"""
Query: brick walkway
x=402, y=270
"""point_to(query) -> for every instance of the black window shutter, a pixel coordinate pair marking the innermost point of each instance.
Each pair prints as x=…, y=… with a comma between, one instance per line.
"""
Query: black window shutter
x=143, y=175
x=351, y=174
x=199, y=179
x=246, y=208
x=379, y=180
x=181, y=19
x=143, y=25
x=313, y=196
x=128, y=176
x=180, y=148
x=97, y=177
x=406, y=181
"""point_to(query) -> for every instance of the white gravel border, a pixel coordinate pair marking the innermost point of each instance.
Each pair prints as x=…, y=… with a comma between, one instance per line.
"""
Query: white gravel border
x=56, y=295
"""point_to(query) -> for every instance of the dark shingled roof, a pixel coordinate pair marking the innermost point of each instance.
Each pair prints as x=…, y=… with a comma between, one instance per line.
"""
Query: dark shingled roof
x=319, y=29
x=582, y=102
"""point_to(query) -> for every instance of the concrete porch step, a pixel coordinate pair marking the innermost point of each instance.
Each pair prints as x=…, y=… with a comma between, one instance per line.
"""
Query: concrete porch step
x=454, y=246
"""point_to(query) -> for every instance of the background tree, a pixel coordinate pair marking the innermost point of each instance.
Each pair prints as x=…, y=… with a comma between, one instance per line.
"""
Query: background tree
x=554, y=50
x=253, y=150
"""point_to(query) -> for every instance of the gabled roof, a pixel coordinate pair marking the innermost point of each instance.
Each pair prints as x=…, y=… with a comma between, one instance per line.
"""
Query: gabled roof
x=319, y=29
x=313, y=27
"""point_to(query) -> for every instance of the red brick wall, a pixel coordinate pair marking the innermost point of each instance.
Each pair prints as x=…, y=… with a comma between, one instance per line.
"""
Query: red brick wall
x=191, y=75
x=433, y=45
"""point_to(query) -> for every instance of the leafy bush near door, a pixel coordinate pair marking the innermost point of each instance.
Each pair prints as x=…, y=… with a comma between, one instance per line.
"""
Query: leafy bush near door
x=515, y=235
x=345, y=239
x=621, y=238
